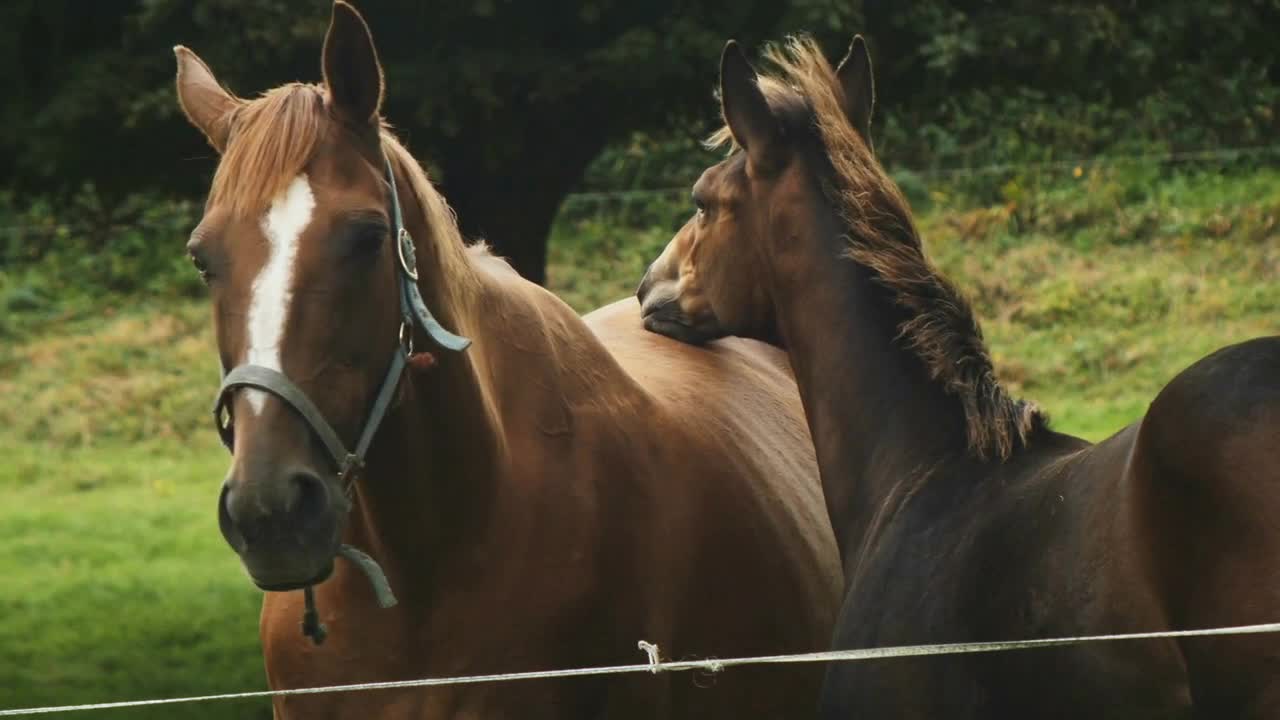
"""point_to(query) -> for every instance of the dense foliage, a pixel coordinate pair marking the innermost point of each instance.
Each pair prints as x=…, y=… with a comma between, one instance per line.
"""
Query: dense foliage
x=517, y=104
x=510, y=100
x=980, y=81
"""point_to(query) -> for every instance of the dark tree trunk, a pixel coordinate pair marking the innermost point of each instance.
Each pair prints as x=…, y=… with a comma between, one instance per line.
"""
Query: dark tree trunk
x=512, y=202
x=515, y=223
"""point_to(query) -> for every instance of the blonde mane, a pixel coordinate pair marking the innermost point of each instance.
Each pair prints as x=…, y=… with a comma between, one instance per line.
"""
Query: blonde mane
x=447, y=244
x=272, y=139
x=940, y=326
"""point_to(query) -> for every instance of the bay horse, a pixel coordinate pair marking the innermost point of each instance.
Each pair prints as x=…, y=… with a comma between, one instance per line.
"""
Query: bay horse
x=960, y=515
x=543, y=498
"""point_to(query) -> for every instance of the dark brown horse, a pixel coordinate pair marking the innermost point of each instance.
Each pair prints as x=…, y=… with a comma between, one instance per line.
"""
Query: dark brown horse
x=543, y=499
x=960, y=515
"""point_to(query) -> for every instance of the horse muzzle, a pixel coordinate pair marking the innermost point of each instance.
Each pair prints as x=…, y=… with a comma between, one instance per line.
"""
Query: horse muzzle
x=287, y=537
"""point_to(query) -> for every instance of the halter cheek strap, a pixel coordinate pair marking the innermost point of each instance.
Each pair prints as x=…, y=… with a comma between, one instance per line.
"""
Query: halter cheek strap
x=412, y=308
x=349, y=464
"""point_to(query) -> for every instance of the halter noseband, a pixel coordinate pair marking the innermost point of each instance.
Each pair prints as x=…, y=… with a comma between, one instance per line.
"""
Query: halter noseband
x=349, y=463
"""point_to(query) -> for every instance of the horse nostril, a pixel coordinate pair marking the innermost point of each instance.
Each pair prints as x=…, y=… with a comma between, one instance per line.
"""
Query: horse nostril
x=308, y=496
x=226, y=523
x=645, y=282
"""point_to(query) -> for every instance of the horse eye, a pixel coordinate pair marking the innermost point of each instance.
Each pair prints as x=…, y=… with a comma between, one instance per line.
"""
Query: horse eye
x=697, y=203
x=368, y=241
x=201, y=267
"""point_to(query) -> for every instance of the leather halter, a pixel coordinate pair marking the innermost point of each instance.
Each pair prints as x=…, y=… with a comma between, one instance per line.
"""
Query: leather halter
x=413, y=313
x=349, y=464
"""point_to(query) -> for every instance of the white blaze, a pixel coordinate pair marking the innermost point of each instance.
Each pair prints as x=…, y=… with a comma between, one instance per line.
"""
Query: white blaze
x=288, y=216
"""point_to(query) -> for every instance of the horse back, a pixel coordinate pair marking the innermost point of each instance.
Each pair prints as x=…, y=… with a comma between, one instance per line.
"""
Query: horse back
x=729, y=411
x=737, y=540
x=734, y=395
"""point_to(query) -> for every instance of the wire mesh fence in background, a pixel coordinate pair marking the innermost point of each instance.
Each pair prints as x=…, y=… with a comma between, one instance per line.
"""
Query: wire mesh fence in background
x=670, y=206
x=643, y=206
x=81, y=246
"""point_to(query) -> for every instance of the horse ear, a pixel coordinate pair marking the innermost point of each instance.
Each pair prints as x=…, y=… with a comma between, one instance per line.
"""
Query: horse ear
x=859, y=87
x=351, y=69
x=205, y=103
x=745, y=110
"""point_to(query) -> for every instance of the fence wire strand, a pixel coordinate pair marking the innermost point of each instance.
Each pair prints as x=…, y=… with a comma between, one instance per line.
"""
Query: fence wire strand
x=990, y=169
x=657, y=665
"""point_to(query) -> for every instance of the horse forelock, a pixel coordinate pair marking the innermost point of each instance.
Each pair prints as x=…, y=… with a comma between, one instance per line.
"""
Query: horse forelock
x=276, y=136
x=273, y=138
x=940, y=326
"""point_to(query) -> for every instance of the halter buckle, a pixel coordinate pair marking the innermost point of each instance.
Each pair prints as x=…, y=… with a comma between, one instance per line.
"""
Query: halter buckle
x=404, y=248
x=350, y=471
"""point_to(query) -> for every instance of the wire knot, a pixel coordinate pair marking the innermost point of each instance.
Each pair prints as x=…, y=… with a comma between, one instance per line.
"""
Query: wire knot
x=655, y=657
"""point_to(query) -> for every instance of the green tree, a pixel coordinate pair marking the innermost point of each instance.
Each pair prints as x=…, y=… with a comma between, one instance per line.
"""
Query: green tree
x=508, y=101
x=975, y=81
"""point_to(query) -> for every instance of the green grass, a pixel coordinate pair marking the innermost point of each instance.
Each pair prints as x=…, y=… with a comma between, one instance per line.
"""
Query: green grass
x=1090, y=319
x=122, y=376
x=116, y=583
x=1093, y=291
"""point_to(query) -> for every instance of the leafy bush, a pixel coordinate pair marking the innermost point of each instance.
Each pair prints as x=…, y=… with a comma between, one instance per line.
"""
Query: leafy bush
x=70, y=257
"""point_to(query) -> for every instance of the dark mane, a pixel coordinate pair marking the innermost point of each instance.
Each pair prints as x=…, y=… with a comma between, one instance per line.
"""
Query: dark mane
x=940, y=326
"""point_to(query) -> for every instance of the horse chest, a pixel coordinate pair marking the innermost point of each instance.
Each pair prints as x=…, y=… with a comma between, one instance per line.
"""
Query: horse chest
x=371, y=651
x=918, y=590
x=1126, y=681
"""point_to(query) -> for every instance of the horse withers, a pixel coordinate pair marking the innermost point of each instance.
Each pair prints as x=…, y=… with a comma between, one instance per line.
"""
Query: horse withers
x=541, y=491
x=960, y=515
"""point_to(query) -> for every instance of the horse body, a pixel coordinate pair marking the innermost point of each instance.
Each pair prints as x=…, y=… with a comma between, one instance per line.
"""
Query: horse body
x=1153, y=529
x=1026, y=551
x=959, y=514
x=683, y=516
x=544, y=500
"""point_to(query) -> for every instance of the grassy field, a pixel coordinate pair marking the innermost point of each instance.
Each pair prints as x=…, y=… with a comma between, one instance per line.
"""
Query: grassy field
x=1094, y=291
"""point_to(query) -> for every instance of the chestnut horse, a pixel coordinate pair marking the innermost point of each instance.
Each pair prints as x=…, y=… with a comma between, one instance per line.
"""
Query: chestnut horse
x=960, y=515
x=543, y=499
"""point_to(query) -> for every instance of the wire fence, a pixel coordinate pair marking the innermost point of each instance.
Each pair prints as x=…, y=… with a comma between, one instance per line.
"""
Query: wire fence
x=1101, y=161
x=656, y=665
x=678, y=194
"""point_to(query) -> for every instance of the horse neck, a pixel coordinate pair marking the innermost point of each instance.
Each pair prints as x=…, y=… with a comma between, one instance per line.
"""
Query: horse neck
x=879, y=423
x=434, y=463
x=438, y=491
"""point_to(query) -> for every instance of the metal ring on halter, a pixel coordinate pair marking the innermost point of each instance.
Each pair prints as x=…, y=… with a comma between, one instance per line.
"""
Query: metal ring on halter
x=404, y=248
x=224, y=423
x=406, y=338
